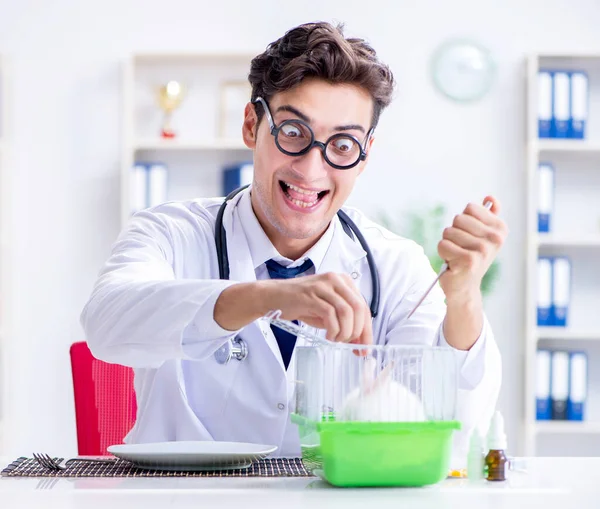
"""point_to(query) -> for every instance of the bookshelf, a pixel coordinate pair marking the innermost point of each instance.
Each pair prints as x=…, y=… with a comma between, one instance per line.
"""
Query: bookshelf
x=567, y=240
x=4, y=246
x=544, y=146
x=567, y=334
x=202, y=146
x=575, y=233
x=566, y=427
x=175, y=145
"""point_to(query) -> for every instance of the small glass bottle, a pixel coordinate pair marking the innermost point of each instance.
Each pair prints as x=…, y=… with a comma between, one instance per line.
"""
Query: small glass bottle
x=475, y=458
x=495, y=460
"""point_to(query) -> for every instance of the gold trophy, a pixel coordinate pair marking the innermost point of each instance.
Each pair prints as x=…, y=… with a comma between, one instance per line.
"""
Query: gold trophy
x=169, y=98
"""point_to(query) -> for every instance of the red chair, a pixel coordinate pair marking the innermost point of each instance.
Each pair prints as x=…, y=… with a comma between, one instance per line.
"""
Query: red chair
x=105, y=404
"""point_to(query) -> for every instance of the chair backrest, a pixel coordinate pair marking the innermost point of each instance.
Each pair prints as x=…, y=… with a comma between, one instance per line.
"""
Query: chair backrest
x=105, y=404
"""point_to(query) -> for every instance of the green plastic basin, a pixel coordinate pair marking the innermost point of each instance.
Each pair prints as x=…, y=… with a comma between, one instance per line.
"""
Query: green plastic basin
x=377, y=453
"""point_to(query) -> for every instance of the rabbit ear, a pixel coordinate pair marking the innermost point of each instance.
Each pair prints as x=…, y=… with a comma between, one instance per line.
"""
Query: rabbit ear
x=384, y=376
x=371, y=381
x=368, y=377
x=368, y=372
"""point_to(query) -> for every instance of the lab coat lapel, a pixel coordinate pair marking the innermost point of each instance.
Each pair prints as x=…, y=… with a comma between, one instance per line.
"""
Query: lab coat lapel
x=344, y=254
x=241, y=269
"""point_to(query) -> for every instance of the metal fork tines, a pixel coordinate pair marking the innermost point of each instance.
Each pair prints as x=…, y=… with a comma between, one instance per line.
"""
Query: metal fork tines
x=55, y=464
x=48, y=462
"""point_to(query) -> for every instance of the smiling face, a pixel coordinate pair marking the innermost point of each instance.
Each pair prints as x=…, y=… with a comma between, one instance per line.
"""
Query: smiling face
x=296, y=197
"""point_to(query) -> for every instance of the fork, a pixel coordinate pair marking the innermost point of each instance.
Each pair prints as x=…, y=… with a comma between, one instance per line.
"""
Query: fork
x=48, y=462
x=53, y=464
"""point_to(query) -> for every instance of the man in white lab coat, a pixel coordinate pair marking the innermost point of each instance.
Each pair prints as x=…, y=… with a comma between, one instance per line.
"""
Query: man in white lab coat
x=160, y=307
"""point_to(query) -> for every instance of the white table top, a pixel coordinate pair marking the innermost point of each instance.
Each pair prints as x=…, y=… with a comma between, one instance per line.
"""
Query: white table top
x=548, y=483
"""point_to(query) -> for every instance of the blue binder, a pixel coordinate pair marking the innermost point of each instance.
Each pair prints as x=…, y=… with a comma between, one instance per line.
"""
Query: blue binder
x=543, y=403
x=545, y=196
x=561, y=290
x=544, y=104
x=560, y=384
x=237, y=175
x=544, y=291
x=577, y=386
x=561, y=104
x=579, y=104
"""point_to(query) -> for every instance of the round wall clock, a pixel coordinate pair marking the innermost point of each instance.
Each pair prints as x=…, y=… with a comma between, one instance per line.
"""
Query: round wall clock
x=462, y=70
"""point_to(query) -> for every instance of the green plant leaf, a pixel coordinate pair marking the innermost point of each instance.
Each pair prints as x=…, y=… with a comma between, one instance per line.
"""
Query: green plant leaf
x=490, y=278
x=425, y=228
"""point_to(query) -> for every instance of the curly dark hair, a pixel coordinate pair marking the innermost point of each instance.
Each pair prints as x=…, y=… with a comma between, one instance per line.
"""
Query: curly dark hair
x=320, y=50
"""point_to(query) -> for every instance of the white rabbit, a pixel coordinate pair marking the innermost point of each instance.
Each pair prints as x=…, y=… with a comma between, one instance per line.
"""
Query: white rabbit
x=382, y=400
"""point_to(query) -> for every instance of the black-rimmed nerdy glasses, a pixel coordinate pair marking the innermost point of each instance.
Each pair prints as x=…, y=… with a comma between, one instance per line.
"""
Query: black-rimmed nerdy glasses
x=295, y=138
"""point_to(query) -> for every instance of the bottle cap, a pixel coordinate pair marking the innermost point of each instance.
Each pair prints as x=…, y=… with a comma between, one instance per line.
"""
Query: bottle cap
x=496, y=435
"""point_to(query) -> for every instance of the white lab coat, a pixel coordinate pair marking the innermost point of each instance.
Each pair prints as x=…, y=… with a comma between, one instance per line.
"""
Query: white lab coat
x=152, y=309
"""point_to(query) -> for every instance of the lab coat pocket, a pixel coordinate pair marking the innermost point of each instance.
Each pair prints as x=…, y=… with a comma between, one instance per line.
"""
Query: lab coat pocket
x=209, y=385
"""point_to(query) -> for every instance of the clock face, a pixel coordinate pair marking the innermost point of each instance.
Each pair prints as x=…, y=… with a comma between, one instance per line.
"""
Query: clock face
x=462, y=70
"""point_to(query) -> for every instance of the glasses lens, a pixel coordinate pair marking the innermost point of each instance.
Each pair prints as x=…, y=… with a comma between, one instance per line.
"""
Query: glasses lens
x=343, y=150
x=294, y=137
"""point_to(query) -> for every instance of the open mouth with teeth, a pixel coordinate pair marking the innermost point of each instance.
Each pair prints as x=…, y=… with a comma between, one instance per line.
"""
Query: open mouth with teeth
x=302, y=197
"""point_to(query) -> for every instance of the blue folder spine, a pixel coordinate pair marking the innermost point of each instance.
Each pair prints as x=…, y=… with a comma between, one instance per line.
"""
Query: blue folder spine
x=543, y=403
x=545, y=196
x=577, y=386
x=560, y=384
x=561, y=102
x=237, y=175
x=544, y=103
x=561, y=290
x=544, y=291
x=579, y=104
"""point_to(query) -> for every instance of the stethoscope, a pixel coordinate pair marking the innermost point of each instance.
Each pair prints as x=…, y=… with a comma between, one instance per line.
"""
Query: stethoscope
x=237, y=348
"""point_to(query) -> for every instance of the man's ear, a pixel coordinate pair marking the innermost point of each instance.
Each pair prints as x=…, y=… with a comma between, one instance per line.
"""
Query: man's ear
x=250, y=126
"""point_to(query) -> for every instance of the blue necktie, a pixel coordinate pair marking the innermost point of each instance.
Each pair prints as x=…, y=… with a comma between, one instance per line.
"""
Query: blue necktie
x=285, y=340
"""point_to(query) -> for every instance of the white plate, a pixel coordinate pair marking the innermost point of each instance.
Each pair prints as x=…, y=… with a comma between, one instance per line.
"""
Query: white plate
x=192, y=455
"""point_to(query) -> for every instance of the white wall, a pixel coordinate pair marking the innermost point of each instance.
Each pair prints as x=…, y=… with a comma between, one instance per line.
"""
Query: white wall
x=66, y=63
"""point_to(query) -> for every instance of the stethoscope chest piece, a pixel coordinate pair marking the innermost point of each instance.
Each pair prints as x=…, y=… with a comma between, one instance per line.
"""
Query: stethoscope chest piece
x=233, y=349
